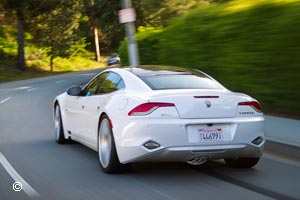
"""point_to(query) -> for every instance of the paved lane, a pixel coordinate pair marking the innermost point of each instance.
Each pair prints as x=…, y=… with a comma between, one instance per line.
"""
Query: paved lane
x=72, y=171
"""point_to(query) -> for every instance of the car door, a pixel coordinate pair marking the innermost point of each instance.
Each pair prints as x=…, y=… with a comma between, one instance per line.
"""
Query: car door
x=77, y=108
x=95, y=104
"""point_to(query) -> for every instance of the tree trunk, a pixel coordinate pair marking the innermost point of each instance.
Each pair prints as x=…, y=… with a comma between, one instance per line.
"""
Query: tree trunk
x=95, y=32
x=97, y=46
x=21, y=54
x=51, y=62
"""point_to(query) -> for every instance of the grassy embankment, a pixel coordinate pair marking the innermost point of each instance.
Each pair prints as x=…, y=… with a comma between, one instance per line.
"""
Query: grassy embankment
x=249, y=46
x=37, y=60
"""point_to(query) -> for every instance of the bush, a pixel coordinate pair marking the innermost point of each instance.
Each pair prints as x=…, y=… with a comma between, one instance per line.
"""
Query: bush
x=148, y=44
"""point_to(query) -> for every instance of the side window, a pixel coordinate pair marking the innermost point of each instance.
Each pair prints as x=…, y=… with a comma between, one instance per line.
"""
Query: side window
x=121, y=84
x=112, y=82
x=94, y=86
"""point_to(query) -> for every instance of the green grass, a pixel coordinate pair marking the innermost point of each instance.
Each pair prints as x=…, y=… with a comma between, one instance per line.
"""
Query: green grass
x=40, y=68
x=14, y=74
x=249, y=46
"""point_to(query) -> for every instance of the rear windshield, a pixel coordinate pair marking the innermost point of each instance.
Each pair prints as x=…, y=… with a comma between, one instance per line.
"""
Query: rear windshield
x=179, y=81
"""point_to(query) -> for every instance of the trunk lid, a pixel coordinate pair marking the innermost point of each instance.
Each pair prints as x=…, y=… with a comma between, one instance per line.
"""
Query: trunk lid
x=201, y=104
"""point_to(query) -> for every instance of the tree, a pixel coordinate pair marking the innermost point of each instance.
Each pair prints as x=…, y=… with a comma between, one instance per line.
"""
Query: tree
x=24, y=10
x=56, y=28
x=158, y=13
x=17, y=8
x=90, y=12
x=104, y=14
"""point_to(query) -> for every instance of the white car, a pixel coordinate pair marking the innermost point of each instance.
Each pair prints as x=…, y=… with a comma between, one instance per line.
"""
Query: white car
x=160, y=113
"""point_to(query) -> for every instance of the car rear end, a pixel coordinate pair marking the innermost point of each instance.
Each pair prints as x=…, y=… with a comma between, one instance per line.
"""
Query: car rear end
x=182, y=122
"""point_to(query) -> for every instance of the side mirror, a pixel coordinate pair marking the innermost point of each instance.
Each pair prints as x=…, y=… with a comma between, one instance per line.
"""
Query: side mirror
x=74, y=91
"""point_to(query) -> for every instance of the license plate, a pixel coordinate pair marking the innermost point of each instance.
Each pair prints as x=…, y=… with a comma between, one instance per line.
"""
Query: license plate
x=210, y=134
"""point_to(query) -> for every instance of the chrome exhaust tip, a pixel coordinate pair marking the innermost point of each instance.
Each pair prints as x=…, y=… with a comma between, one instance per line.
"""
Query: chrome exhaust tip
x=198, y=160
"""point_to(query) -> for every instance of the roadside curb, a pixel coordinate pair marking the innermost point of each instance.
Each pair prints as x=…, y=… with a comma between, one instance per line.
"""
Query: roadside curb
x=282, y=130
x=282, y=150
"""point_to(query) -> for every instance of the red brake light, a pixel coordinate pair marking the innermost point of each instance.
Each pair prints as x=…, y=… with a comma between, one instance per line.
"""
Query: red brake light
x=147, y=108
x=253, y=104
x=110, y=123
x=206, y=97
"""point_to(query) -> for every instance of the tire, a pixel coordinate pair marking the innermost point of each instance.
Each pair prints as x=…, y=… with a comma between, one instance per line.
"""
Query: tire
x=59, y=130
x=242, y=162
x=107, y=153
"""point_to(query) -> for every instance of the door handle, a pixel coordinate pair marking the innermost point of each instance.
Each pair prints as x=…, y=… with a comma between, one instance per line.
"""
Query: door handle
x=82, y=107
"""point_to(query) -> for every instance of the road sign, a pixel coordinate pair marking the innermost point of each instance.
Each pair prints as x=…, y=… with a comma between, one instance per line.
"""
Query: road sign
x=126, y=15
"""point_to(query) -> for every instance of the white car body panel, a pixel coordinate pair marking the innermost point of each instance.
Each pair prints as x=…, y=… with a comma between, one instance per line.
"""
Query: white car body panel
x=173, y=133
x=171, y=127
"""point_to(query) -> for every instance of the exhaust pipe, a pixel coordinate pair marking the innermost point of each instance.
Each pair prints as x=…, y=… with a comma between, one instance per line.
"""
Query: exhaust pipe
x=198, y=160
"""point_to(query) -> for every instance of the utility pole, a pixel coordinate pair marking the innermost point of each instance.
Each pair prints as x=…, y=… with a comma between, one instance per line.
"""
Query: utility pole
x=130, y=33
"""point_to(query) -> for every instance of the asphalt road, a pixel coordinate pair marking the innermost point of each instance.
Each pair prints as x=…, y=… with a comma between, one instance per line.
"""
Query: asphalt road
x=29, y=154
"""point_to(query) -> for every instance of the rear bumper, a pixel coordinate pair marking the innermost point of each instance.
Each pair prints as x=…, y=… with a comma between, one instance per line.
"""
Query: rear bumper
x=186, y=153
x=175, y=144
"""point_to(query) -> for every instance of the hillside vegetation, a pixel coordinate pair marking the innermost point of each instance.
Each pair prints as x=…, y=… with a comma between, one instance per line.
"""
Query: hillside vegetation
x=249, y=46
x=43, y=37
x=36, y=58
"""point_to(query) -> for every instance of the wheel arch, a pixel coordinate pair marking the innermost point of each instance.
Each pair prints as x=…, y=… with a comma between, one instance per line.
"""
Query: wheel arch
x=99, y=122
x=55, y=103
x=100, y=117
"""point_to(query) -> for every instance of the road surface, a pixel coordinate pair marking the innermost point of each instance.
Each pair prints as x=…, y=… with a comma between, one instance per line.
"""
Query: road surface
x=46, y=170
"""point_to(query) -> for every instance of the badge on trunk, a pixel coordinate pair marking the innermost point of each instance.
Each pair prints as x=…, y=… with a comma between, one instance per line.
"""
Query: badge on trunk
x=208, y=104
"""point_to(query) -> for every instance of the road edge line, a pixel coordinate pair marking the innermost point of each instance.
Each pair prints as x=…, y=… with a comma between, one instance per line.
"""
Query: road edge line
x=17, y=177
x=4, y=100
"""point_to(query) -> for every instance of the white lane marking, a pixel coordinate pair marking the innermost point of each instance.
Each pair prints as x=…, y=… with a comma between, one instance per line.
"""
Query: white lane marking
x=5, y=100
x=15, y=89
x=14, y=174
x=282, y=160
x=22, y=88
x=32, y=89
x=62, y=81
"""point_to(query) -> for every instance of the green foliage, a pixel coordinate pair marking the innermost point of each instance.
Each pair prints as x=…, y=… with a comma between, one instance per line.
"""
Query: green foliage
x=149, y=13
x=250, y=46
x=40, y=67
x=37, y=58
x=8, y=44
x=148, y=39
x=123, y=53
x=104, y=14
x=158, y=13
x=75, y=63
x=56, y=29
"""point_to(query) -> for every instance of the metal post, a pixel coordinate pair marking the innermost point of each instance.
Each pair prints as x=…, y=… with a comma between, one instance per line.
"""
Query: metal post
x=130, y=33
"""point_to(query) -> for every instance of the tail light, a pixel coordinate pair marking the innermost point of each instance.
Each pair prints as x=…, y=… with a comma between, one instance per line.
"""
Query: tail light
x=206, y=97
x=147, y=108
x=110, y=123
x=253, y=104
